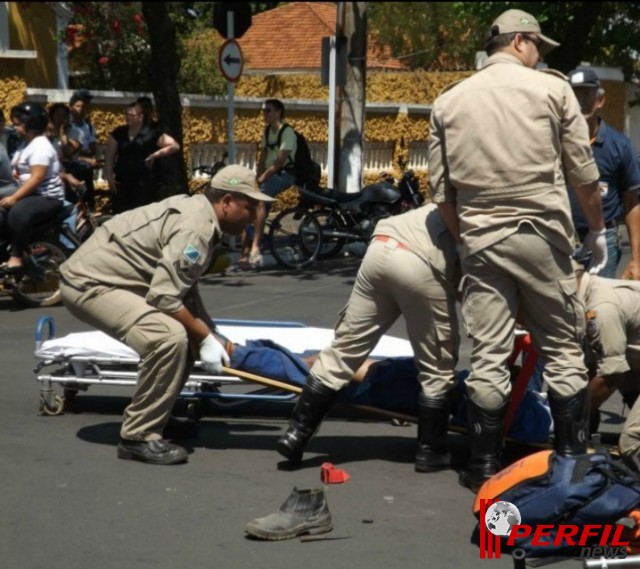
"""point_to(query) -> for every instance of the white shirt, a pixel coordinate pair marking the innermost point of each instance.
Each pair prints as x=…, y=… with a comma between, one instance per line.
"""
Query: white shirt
x=40, y=152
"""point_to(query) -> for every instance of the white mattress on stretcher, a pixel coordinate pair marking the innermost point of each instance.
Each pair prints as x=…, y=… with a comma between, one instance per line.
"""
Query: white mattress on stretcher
x=298, y=340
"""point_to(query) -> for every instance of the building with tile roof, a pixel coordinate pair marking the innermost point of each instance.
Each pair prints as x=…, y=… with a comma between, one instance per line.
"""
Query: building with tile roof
x=287, y=40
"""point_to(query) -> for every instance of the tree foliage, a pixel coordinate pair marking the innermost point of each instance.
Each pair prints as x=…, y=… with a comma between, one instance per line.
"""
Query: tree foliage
x=431, y=35
x=110, y=49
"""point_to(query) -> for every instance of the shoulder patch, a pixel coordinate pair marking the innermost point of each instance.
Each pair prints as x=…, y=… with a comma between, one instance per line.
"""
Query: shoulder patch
x=450, y=86
x=555, y=73
x=191, y=254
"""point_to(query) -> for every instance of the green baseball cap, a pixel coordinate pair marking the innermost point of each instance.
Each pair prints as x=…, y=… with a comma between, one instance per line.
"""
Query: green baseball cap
x=519, y=21
x=240, y=180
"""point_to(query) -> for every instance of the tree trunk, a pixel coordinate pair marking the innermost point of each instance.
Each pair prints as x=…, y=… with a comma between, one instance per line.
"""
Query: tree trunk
x=575, y=37
x=163, y=69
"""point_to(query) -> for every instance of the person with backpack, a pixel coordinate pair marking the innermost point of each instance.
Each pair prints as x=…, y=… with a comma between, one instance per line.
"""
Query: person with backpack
x=276, y=173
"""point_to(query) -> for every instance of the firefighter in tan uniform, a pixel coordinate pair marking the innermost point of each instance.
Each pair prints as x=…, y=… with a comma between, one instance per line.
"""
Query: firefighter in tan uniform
x=411, y=268
x=498, y=146
x=613, y=348
x=136, y=280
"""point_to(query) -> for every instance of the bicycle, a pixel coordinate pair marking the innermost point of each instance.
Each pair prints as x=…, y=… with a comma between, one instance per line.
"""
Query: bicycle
x=86, y=220
x=294, y=237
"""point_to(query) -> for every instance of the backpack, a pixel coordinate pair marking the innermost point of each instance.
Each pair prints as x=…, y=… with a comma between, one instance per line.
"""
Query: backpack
x=547, y=488
x=306, y=170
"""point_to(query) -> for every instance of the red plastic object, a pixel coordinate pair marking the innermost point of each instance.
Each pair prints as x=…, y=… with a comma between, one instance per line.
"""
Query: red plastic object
x=329, y=474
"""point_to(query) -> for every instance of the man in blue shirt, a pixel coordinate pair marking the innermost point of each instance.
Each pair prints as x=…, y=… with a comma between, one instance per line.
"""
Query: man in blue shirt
x=619, y=168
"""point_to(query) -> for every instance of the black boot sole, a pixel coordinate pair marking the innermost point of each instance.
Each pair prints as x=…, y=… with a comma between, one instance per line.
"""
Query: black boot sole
x=291, y=455
x=467, y=481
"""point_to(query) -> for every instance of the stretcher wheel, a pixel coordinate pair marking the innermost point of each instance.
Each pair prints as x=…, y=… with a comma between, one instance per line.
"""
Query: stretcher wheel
x=195, y=410
x=56, y=409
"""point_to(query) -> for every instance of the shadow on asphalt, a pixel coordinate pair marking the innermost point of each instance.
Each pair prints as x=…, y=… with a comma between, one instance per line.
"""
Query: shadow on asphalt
x=340, y=267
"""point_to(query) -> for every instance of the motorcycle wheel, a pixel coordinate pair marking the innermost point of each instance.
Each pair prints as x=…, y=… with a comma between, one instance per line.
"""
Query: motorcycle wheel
x=295, y=238
x=40, y=285
x=330, y=224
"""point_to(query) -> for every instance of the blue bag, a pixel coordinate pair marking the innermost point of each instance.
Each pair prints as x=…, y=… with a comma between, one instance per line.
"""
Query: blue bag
x=580, y=490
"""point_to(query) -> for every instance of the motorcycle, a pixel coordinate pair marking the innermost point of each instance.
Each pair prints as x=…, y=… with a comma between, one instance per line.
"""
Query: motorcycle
x=52, y=243
x=325, y=221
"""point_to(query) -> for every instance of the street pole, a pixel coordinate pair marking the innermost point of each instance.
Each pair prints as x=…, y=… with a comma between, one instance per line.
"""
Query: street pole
x=231, y=91
x=353, y=99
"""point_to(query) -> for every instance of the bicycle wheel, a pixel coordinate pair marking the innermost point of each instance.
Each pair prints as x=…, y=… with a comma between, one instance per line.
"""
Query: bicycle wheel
x=40, y=284
x=294, y=238
x=85, y=230
x=333, y=229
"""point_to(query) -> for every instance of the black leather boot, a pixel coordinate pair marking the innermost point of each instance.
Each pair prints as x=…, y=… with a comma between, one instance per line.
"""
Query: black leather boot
x=313, y=404
x=570, y=422
x=485, y=432
x=433, y=424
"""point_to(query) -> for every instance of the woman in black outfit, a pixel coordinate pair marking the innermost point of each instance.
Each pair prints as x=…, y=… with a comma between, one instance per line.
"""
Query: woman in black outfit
x=131, y=152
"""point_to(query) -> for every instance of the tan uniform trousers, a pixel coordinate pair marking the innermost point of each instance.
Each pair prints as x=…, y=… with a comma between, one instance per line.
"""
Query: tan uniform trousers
x=393, y=281
x=630, y=437
x=160, y=341
x=523, y=270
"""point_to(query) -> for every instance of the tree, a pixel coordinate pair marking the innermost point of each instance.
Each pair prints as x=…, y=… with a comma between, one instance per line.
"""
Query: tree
x=447, y=34
x=164, y=68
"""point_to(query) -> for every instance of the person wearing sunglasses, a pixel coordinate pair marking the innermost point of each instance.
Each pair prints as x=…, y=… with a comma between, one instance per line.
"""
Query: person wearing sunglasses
x=500, y=145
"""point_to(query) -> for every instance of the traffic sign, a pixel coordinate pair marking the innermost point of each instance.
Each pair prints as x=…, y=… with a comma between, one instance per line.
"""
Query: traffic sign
x=241, y=18
x=230, y=60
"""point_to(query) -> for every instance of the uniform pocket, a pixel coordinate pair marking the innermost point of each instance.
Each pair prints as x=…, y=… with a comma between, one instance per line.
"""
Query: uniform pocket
x=466, y=305
x=446, y=342
x=569, y=288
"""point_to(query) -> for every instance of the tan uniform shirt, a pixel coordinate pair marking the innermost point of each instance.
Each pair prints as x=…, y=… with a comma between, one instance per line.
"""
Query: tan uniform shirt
x=500, y=143
x=613, y=323
x=424, y=232
x=158, y=251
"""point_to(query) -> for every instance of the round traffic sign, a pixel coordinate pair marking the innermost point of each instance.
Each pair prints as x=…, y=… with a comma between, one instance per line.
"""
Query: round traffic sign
x=230, y=60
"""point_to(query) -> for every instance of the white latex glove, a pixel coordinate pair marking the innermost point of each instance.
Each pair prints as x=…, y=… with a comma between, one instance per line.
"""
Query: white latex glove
x=595, y=243
x=213, y=355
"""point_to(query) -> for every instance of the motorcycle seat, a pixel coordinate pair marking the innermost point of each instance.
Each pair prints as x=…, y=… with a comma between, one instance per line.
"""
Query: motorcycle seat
x=329, y=197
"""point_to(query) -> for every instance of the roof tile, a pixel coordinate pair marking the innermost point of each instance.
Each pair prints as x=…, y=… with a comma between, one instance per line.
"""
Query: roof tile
x=289, y=37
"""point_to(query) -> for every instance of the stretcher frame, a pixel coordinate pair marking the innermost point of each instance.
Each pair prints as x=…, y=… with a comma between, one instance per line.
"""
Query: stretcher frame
x=78, y=373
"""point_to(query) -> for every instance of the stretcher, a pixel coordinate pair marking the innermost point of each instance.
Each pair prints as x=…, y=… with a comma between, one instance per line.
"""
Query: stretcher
x=78, y=361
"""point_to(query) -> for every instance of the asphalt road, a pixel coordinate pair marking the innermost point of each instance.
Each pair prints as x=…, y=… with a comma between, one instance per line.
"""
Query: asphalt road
x=68, y=502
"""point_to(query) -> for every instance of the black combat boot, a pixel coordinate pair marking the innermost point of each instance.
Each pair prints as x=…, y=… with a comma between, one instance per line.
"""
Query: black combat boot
x=570, y=422
x=313, y=404
x=433, y=424
x=303, y=512
x=485, y=432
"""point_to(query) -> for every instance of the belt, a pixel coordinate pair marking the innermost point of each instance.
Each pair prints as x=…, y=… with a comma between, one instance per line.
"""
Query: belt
x=611, y=224
x=385, y=238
